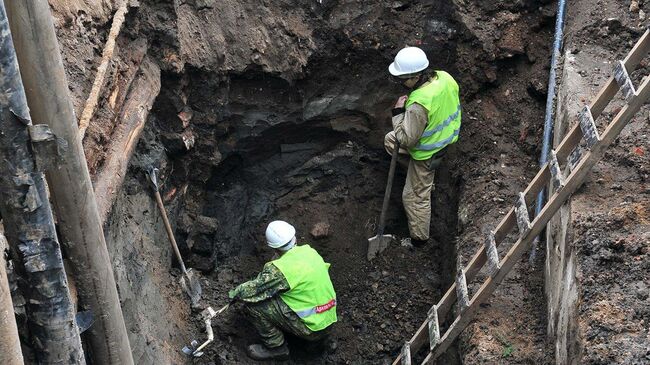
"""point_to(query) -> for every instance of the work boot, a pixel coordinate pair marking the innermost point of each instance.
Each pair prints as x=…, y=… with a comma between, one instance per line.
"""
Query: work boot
x=418, y=243
x=260, y=352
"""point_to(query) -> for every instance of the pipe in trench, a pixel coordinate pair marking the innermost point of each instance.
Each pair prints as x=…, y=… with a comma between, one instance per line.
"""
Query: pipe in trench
x=29, y=226
x=550, y=103
x=47, y=92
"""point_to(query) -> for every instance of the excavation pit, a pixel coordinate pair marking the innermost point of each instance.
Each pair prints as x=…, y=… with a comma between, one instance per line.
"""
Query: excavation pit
x=298, y=136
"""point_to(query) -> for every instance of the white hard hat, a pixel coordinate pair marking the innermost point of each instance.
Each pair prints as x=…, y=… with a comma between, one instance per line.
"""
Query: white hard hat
x=279, y=234
x=408, y=60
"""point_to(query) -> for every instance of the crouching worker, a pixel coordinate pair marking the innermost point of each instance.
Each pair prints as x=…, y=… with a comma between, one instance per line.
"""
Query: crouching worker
x=292, y=294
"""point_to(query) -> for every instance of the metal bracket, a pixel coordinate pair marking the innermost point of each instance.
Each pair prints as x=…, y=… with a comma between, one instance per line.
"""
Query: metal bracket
x=523, y=220
x=434, y=327
x=406, y=353
x=588, y=126
x=557, y=177
x=48, y=148
x=461, y=286
x=624, y=82
x=492, y=254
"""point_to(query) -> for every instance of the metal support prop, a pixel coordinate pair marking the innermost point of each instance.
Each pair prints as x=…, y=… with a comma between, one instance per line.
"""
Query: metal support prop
x=29, y=224
x=72, y=192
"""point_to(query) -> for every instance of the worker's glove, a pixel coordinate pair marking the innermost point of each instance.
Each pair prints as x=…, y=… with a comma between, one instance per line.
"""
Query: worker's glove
x=233, y=295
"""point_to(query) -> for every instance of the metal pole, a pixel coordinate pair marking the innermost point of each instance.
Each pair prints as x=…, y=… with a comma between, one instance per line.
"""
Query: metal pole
x=72, y=192
x=29, y=224
x=10, y=353
x=550, y=102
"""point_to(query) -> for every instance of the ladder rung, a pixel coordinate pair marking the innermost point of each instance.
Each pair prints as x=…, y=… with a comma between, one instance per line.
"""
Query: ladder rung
x=461, y=286
x=523, y=220
x=588, y=126
x=556, y=173
x=434, y=327
x=406, y=353
x=623, y=80
x=492, y=254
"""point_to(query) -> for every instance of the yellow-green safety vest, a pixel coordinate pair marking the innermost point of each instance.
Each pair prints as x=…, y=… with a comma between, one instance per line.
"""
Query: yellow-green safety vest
x=439, y=97
x=311, y=295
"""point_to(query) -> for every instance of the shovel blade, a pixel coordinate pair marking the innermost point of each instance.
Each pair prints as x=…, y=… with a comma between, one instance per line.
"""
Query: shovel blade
x=378, y=244
x=192, y=286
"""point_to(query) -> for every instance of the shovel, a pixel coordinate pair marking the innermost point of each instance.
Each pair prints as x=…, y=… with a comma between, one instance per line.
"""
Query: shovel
x=378, y=243
x=189, y=281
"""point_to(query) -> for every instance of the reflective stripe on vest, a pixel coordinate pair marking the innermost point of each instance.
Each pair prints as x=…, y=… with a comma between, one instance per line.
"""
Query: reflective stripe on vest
x=442, y=125
x=439, y=97
x=317, y=309
x=439, y=144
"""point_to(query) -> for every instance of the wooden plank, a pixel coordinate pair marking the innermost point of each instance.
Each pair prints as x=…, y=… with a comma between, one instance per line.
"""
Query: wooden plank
x=141, y=97
x=107, y=55
x=566, y=146
x=573, y=182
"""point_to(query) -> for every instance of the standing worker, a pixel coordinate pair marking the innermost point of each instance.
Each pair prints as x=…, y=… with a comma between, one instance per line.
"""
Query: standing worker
x=293, y=293
x=425, y=122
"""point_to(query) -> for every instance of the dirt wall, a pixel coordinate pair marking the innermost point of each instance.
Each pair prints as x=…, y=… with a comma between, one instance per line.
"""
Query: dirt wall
x=560, y=267
x=597, y=248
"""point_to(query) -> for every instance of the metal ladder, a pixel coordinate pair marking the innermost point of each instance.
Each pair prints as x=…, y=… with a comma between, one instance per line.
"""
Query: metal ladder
x=579, y=160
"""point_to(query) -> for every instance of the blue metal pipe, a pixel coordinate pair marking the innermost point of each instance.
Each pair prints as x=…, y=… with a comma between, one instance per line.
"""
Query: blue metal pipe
x=550, y=102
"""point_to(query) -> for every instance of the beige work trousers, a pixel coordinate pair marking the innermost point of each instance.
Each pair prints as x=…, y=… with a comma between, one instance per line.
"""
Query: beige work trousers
x=416, y=196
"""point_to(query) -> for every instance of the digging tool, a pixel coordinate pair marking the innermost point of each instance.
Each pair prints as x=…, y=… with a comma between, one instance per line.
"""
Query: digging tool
x=207, y=315
x=378, y=243
x=189, y=281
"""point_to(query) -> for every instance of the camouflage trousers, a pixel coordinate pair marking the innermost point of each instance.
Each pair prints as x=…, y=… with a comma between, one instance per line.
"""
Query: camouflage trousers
x=272, y=316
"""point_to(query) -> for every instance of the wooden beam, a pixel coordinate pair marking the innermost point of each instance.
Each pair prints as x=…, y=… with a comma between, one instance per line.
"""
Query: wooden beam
x=123, y=142
x=71, y=190
x=29, y=224
x=107, y=55
x=108, y=120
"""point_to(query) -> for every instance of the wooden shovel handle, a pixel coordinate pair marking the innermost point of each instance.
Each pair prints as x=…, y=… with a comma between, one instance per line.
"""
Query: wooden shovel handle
x=389, y=187
x=170, y=233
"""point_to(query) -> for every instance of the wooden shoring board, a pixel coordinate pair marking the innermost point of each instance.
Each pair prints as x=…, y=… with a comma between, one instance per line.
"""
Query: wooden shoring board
x=568, y=144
